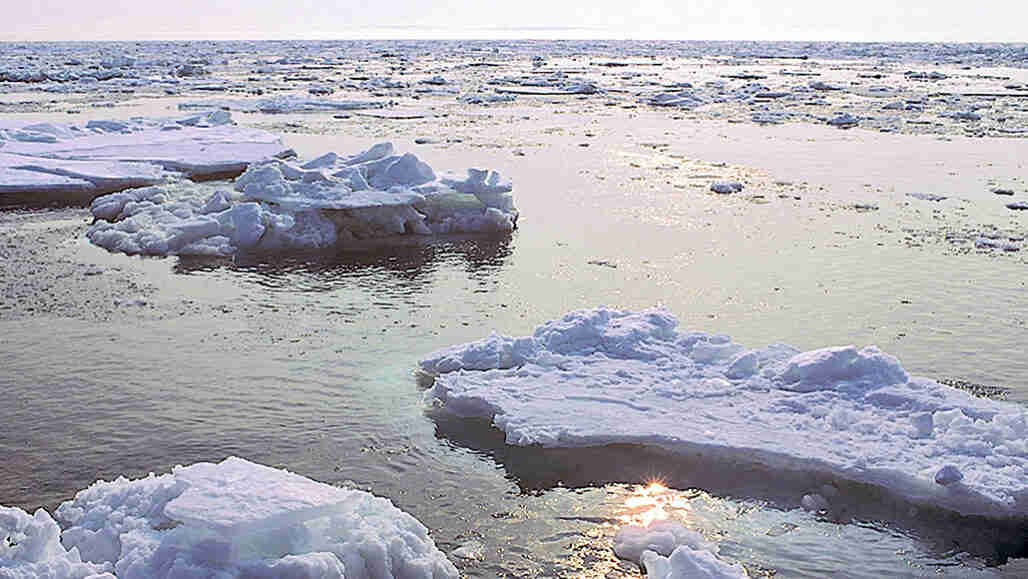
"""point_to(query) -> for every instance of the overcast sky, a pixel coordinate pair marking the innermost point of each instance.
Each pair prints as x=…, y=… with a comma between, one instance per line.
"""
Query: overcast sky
x=866, y=20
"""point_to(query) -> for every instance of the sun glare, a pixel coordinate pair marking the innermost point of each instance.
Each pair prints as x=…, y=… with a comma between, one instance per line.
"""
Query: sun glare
x=652, y=502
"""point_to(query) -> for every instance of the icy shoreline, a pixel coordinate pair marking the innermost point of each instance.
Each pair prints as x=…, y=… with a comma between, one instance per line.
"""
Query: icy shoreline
x=600, y=377
x=326, y=202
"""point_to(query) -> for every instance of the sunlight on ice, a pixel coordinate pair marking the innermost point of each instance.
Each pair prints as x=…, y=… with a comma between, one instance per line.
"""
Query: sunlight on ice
x=660, y=544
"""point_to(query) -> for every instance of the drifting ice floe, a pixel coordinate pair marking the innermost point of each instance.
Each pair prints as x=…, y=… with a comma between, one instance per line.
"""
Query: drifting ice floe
x=104, y=156
x=599, y=377
x=668, y=550
x=231, y=519
x=326, y=202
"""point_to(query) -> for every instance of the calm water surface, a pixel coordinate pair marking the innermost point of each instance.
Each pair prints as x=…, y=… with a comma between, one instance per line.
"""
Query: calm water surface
x=307, y=362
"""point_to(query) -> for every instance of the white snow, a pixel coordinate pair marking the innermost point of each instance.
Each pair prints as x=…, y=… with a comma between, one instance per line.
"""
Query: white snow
x=602, y=376
x=227, y=520
x=326, y=202
x=669, y=550
x=685, y=563
x=112, y=155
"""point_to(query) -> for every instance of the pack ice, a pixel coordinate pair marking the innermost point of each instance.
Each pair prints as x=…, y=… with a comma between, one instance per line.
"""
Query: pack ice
x=602, y=376
x=326, y=202
x=226, y=520
x=102, y=156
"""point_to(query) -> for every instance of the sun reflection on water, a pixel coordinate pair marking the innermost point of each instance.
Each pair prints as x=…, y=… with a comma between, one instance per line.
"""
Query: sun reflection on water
x=654, y=502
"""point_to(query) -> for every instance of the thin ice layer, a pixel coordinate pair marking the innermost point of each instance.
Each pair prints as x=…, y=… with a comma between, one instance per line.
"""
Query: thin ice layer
x=601, y=376
x=326, y=202
x=228, y=520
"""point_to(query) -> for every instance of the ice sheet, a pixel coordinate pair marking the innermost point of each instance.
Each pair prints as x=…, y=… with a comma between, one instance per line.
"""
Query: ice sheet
x=230, y=519
x=602, y=376
x=327, y=202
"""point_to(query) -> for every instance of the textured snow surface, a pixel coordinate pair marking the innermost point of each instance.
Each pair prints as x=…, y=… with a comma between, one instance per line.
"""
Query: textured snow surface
x=226, y=520
x=326, y=202
x=601, y=376
x=103, y=156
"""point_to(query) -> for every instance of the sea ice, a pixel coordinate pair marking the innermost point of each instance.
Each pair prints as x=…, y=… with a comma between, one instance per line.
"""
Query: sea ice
x=726, y=187
x=601, y=376
x=228, y=520
x=326, y=202
x=283, y=104
x=844, y=121
x=111, y=155
x=668, y=550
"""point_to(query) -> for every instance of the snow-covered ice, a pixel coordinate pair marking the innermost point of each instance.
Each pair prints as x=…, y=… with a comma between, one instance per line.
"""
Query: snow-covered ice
x=326, y=202
x=601, y=376
x=111, y=155
x=668, y=550
x=226, y=520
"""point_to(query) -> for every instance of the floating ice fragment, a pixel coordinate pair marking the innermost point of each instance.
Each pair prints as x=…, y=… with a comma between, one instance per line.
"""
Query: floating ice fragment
x=685, y=563
x=843, y=121
x=927, y=196
x=669, y=550
x=327, y=202
x=726, y=187
x=230, y=520
x=111, y=155
x=660, y=536
x=599, y=377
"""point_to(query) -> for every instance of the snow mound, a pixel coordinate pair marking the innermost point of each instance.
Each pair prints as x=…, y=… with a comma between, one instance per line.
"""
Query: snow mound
x=326, y=202
x=111, y=155
x=668, y=550
x=601, y=376
x=227, y=520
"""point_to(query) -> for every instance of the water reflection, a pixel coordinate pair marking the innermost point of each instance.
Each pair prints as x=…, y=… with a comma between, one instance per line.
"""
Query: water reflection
x=653, y=502
x=739, y=479
x=406, y=260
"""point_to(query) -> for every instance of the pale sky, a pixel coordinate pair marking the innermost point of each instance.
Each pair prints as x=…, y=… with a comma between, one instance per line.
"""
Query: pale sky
x=865, y=20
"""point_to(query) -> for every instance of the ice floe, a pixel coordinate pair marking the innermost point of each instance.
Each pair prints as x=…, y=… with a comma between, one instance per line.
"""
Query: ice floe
x=666, y=549
x=110, y=155
x=230, y=519
x=326, y=202
x=726, y=187
x=285, y=104
x=601, y=376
